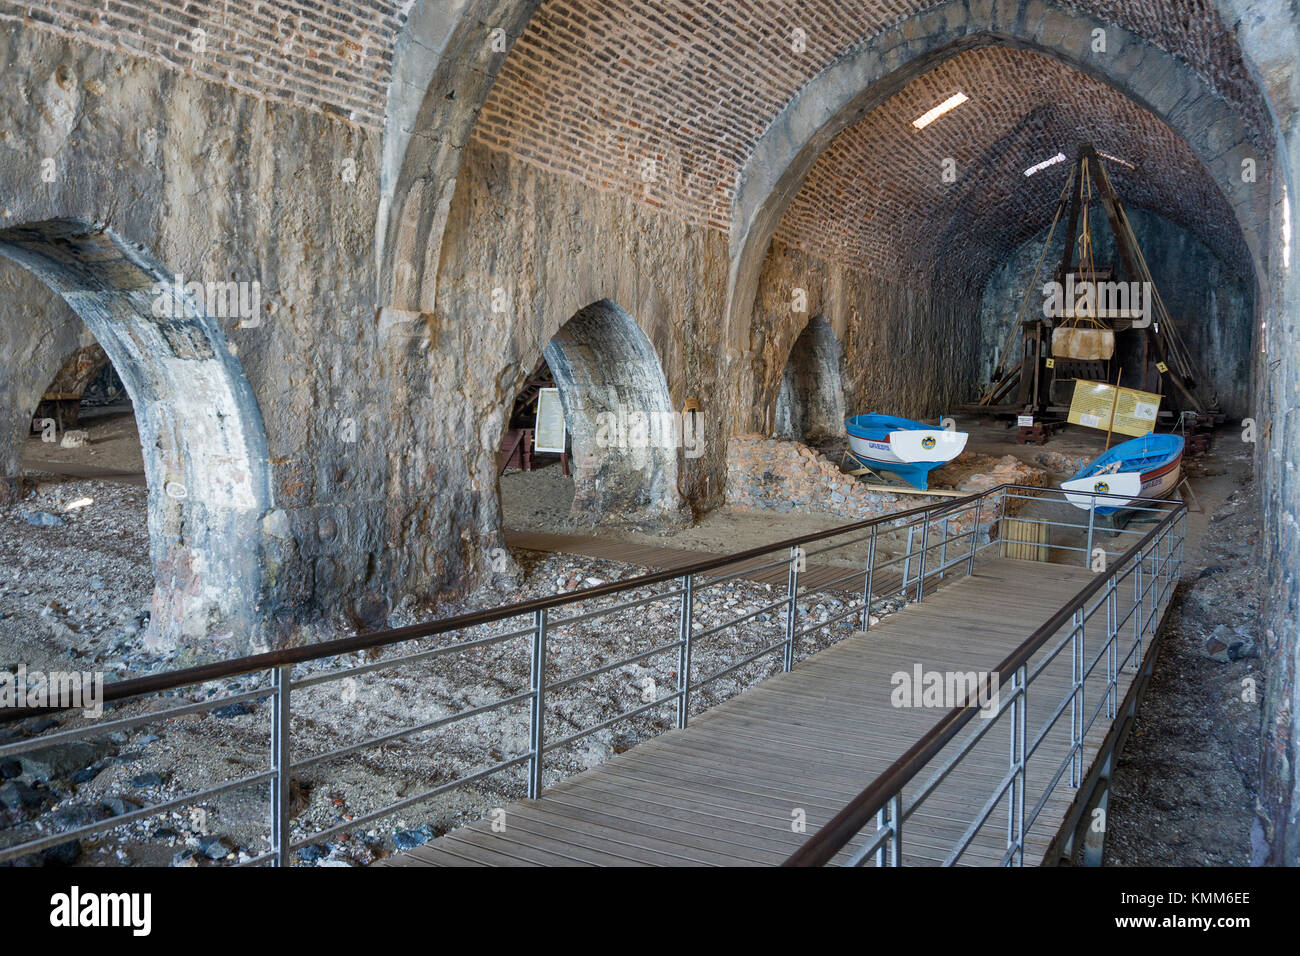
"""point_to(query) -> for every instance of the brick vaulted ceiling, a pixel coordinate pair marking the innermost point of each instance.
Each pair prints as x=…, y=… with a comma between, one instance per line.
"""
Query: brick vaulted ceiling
x=593, y=89
x=876, y=198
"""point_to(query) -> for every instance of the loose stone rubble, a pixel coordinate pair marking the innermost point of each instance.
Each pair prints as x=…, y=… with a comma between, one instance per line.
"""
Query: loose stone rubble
x=784, y=476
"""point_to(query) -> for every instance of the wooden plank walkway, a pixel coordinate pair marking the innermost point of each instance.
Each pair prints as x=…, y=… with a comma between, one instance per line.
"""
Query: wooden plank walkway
x=725, y=790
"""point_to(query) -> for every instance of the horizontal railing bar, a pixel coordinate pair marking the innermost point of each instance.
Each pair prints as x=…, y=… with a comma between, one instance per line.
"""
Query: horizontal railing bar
x=555, y=622
x=626, y=715
x=852, y=609
x=101, y=826
x=981, y=818
x=125, y=723
x=709, y=632
x=736, y=666
x=258, y=860
x=409, y=801
x=408, y=731
x=345, y=672
x=779, y=562
x=861, y=853
x=604, y=668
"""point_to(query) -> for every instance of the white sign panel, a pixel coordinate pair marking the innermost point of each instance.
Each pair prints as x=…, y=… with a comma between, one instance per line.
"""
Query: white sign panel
x=550, y=432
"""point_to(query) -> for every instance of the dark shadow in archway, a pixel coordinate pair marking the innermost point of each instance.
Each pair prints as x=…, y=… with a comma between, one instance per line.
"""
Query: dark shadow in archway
x=810, y=404
x=200, y=427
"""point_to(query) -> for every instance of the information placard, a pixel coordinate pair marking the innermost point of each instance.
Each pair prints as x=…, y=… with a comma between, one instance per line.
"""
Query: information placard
x=549, y=434
x=1134, y=411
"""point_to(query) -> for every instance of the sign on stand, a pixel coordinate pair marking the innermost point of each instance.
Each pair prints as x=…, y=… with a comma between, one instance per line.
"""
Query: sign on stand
x=1106, y=407
x=550, y=433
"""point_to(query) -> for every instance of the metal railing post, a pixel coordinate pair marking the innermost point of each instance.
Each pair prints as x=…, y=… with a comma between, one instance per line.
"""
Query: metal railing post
x=974, y=534
x=1138, y=603
x=280, y=713
x=1092, y=521
x=907, y=561
x=925, y=540
x=1112, y=648
x=890, y=817
x=869, y=582
x=684, y=652
x=1019, y=762
x=537, y=715
x=792, y=611
x=1076, y=704
x=943, y=551
x=1002, y=521
x=896, y=844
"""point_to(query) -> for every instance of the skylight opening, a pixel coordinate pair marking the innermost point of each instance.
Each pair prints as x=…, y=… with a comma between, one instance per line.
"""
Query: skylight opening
x=951, y=103
x=1039, y=167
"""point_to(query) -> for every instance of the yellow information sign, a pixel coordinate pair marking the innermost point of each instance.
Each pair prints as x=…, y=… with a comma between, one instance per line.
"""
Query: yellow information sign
x=1134, y=412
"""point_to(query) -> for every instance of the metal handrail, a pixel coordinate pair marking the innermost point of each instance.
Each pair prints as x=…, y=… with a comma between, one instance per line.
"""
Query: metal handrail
x=220, y=670
x=875, y=799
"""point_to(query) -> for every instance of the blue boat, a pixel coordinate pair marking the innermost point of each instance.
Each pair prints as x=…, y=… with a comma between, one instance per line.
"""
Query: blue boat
x=1146, y=467
x=907, y=448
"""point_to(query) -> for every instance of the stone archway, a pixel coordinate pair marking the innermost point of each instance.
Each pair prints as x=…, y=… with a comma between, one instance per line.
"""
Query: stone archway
x=810, y=400
x=624, y=430
x=857, y=83
x=200, y=426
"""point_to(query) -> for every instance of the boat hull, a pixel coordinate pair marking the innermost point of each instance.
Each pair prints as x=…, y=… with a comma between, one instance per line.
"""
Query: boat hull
x=909, y=452
x=1159, y=480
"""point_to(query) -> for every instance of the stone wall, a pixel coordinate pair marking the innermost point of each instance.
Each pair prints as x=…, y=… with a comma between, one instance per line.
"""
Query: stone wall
x=906, y=348
x=204, y=182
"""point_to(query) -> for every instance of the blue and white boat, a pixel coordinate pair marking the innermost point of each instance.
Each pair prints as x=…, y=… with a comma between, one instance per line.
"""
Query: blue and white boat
x=909, y=449
x=1146, y=467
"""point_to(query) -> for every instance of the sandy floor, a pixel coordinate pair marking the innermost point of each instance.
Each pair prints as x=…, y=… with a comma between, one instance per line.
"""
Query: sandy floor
x=112, y=450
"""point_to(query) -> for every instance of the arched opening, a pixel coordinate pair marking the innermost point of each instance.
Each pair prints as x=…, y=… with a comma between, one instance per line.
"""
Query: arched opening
x=84, y=424
x=200, y=429
x=810, y=402
x=623, y=434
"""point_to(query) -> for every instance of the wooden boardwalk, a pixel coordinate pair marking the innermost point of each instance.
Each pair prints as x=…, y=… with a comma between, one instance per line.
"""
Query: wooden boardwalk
x=725, y=790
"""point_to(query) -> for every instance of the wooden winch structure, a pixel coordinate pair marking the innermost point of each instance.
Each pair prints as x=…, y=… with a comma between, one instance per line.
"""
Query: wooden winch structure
x=1081, y=343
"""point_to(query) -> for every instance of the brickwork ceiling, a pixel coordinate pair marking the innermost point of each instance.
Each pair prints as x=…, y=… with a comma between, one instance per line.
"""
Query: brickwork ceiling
x=877, y=198
x=595, y=90
x=659, y=99
x=331, y=57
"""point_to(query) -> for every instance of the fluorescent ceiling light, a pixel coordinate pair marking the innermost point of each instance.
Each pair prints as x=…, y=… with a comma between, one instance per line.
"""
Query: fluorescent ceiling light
x=1038, y=167
x=952, y=102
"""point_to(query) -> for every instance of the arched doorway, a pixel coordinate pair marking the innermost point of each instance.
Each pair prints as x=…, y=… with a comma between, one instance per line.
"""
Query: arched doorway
x=200, y=428
x=623, y=433
x=810, y=403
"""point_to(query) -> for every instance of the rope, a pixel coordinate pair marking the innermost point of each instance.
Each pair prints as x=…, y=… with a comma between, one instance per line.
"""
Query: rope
x=1033, y=283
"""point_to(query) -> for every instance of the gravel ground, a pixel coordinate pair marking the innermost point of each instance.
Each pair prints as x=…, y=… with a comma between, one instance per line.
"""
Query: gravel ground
x=1183, y=792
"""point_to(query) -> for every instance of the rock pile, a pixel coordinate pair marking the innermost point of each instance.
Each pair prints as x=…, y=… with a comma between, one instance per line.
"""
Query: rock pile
x=788, y=476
